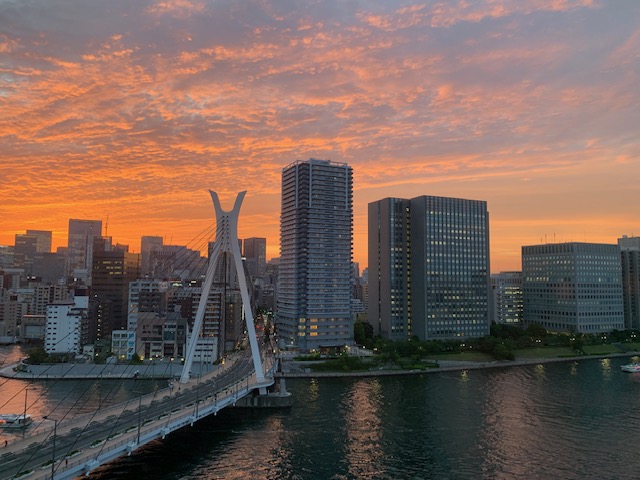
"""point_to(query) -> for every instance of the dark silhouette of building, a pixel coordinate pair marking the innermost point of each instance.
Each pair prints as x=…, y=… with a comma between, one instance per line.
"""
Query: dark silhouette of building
x=111, y=274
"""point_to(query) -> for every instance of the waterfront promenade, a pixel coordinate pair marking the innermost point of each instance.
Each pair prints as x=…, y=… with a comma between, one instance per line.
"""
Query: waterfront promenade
x=302, y=369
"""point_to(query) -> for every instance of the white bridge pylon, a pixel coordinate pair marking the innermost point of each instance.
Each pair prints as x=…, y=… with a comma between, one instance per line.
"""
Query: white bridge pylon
x=226, y=241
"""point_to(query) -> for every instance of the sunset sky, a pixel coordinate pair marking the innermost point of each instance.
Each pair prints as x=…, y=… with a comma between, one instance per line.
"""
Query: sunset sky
x=134, y=109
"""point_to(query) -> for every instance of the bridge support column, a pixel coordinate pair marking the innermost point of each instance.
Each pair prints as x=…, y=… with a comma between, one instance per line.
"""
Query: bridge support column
x=226, y=241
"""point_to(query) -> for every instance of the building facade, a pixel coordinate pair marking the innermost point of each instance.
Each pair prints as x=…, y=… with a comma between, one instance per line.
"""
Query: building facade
x=80, y=246
x=43, y=240
x=255, y=254
x=389, y=289
x=630, y=258
x=450, y=268
x=506, y=304
x=149, y=245
x=64, y=325
x=429, y=268
x=573, y=287
x=112, y=272
x=316, y=231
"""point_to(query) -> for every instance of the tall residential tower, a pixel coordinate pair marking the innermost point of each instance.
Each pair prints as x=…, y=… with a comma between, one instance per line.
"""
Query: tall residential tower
x=316, y=230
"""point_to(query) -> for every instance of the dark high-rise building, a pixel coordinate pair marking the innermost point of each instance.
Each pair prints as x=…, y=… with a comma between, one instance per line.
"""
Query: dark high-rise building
x=316, y=229
x=389, y=290
x=148, y=245
x=630, y=256
x=49, y=267
x=429, y=268
x=24, y=253
x=43, y=240
x=450, y=267
x=80, y=245
x=255, y=254
x=112, y=272
x=31, y=250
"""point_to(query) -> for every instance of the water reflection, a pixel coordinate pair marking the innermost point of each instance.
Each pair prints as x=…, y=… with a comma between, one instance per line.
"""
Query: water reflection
x=363, y=429
x=60, y=399
x=314, y=390
x=574, y=368
x=540, y=371
x=563, y=420
x=605, y=365
x=509, y=424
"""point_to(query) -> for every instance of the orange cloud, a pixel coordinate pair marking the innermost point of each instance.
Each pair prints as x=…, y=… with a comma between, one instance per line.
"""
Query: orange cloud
x=134, y=111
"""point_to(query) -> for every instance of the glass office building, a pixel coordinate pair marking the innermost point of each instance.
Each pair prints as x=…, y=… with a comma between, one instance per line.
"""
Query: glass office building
x=429, y=268
x=573, y=287
x=450, y=273
x=630, y=256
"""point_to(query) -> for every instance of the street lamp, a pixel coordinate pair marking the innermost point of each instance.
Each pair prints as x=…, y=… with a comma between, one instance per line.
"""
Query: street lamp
x=53, y=451
x=139, y=415
x=197, y=394
x=24, y=418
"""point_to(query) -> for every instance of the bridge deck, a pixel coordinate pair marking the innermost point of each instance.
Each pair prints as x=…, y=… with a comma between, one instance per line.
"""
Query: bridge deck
x=88, y=441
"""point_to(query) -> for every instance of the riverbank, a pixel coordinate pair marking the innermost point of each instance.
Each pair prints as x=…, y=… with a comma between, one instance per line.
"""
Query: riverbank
x=290, y=369
x=303, y=370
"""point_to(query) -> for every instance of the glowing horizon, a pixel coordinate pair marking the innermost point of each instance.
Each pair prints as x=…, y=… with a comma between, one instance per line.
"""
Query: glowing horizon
x=132, y=111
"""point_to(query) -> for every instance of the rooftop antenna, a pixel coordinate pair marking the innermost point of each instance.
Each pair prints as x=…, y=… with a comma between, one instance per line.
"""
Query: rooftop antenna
x=106, y=227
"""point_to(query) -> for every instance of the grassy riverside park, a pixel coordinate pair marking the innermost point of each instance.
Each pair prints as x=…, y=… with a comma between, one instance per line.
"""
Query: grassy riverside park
x=372, y=364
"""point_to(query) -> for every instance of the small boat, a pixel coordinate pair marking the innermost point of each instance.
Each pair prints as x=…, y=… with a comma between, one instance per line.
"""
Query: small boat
x=15, y=421
x=631, y=368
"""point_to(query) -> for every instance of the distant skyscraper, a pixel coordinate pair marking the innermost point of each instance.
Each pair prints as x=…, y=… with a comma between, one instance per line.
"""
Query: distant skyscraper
x=148, y=245
x=255, y=253
x=573, y=287
x=316, y=228
x=630, y=256
x=506, y=305
x=43, y=240
x=112, y=273
x=25, y=249
x=80, y=244
x=389, y=289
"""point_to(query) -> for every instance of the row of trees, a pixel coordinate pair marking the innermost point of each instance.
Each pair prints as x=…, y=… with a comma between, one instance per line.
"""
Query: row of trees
x=501, y=343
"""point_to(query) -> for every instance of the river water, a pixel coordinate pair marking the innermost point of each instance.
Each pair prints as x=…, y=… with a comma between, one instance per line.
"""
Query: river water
x=569, y=420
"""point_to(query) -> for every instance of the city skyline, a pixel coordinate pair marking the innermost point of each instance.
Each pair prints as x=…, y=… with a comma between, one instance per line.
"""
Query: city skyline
x=131, y=112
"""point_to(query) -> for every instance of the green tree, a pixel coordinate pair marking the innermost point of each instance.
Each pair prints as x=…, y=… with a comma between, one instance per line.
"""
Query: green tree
x=577, y=344
x=359, y=334
x=38, y=355
x=536, y=330
x=135, y=360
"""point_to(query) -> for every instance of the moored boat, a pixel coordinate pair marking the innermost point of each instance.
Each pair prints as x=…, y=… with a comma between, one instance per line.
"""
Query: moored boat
x=11, y=420
x=631, y=368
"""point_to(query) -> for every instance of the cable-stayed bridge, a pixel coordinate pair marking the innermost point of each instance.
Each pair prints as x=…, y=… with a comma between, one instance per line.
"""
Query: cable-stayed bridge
x=73, y=447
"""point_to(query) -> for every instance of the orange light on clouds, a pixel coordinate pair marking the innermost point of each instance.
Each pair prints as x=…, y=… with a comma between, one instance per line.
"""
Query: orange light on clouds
x=134, y=110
